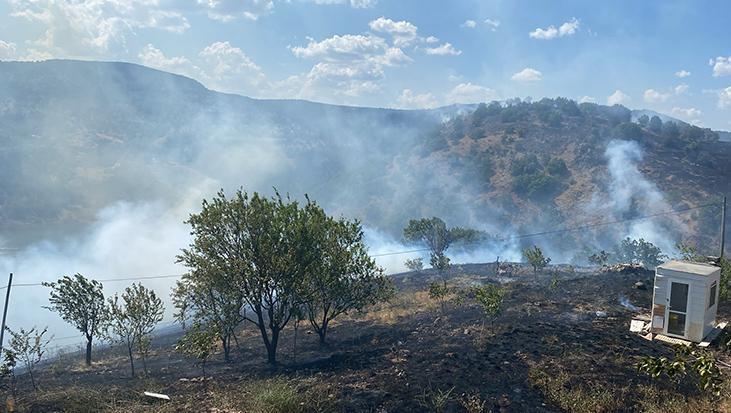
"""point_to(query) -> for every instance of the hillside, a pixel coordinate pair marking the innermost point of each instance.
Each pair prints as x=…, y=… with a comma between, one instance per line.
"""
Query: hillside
x=76, y=137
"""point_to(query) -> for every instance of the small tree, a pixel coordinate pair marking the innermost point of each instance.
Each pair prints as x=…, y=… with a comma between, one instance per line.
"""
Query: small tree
x=341, y=277
x=28, y=346
x=132, y=321
x=198, y=342
x=80, y=302
x=433, y=233
x=638, y=252
x=535, y=258
x=490, y=298
x=414, y=264
x=688, y=252
x=687, y=358
x=600, y=258
x=7, y=371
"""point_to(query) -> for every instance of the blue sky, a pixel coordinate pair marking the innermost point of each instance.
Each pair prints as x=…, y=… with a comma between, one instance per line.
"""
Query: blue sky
x=670, y=56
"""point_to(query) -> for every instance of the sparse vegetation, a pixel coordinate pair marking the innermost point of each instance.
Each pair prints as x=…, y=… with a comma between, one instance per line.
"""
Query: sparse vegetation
x=535, y=258
x=600, y=258
x=699, y=362
x=638, y=252
x=414, y=264
x=28, y=347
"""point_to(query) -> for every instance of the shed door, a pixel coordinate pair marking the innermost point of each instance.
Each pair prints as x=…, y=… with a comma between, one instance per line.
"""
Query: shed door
x=678, y=308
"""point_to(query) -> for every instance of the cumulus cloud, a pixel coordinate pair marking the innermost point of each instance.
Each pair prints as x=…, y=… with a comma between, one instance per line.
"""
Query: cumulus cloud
x=527, y=75
x=721, y=66
x=653, y=96
x=357, y=4
x=618, y=98
x=350, y=44
x=492, y=24
x=410, y=100
x=444, y=50
x=83, y=28
x=682, y=73
x=551, y=32
x=8, y=50
x=687, y=113
x=680, y=89
x=587, y=99
x=470, y=24
x=471, y=93
x=403, y=32
x=724, y=98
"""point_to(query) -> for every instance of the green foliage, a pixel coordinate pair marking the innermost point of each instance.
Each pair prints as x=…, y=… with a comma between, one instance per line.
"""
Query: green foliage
x=643, y=120
x=435, y=401
x=198, y=342
x=133, y=319
x=480, y=114
x=655, y=124
x=342, y=277
x=28, y=347
x=600, y=258
x=557, y=167
x=535, y=258
x=414, y=264
x=688, y=252
x=534, y=180
x=80, y=302
x=490, y=298
x=440, y=292
x=687, y=359
x=638, y=252
x=433, y=233
x=725, y=290
x=628, y=130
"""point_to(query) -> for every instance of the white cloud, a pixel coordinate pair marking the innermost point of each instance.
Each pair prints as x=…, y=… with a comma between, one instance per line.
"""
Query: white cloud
x=653, y=96
x=618, y=98
x=680, y=89
x=228, y=10
x=682, y=73
x=527, y=75
x=444, y=50
x=551, y=32
x=357, y=4
x=724, y=98
x=492, y=24
x=432, y=39
x=410, y=100
x=88, y=28
x=686, y=113
x=229, y=65
x=8, y=50
x=349, y=44
x=470, y=24
x=587, y=99
x=155, y=58
x=403, y=32
x=471, y=93
x=721, y=66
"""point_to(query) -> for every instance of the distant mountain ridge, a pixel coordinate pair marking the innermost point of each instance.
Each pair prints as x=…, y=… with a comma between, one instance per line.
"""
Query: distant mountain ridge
x=78, y=136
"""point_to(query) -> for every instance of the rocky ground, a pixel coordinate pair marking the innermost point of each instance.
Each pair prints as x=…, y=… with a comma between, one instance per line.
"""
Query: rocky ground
x=561, y=344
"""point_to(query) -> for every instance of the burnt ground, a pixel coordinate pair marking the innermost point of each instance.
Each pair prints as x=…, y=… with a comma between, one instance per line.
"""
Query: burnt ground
x=548, y=351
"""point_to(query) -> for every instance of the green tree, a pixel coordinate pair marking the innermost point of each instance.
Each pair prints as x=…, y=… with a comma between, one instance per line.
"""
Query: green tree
x=255, y=246
x=80, y=302
x=133, y=319
x=600, y=258
x=638, y=252
x=490, y=298
x=643, y=120
x=414, y=264
x=434, y=234
x=28, y=346
x=342, y=277
x=535, y=258
x=656, y=124
x=198, y=342
x=688, y=252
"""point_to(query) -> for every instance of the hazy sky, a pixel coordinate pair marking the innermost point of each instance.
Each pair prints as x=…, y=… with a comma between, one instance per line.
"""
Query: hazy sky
x=671, y=56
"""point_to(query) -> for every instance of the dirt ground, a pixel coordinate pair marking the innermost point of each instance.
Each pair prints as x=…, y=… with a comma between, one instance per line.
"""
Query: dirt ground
x=561, y=344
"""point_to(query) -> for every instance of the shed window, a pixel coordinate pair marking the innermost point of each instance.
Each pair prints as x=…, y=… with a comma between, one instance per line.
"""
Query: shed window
x=712, y=300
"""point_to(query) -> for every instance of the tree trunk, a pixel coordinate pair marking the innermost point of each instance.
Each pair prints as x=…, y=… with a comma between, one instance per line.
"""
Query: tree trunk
x=32, y=378
x=322, y=332
x=88, y=351
x=272, y=348
x=294, y=345
x=131, y=360
x=226, y=342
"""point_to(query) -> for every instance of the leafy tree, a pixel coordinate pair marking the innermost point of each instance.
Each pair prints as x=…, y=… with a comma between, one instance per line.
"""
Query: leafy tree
x=490, y=297
x=133, y=319
x=255, y=252
x=638, y=252
x=480, y=114
x=535, y=258
x=687, y=358
x=28, y=346
x=343, y=277
x=688, y=252
x=414, y=264
x=725, y=287
x=198, y=342
x=439, y=292
x=80, y=302
x=7, y=370
x=600, y=258
x=433, y=233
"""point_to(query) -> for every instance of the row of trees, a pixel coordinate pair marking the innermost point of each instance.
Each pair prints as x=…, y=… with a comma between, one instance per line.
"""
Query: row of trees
x=267, y=261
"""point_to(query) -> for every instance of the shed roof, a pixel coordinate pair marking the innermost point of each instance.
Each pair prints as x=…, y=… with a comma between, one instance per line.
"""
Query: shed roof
x=689, y=267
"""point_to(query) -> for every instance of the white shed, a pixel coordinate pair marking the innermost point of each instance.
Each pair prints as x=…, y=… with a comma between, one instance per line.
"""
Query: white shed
x=685, y=299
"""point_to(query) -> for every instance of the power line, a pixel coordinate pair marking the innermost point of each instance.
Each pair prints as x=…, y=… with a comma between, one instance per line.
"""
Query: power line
x=152, y=277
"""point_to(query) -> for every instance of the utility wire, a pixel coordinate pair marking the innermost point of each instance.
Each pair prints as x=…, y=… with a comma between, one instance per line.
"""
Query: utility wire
x=153, y=277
